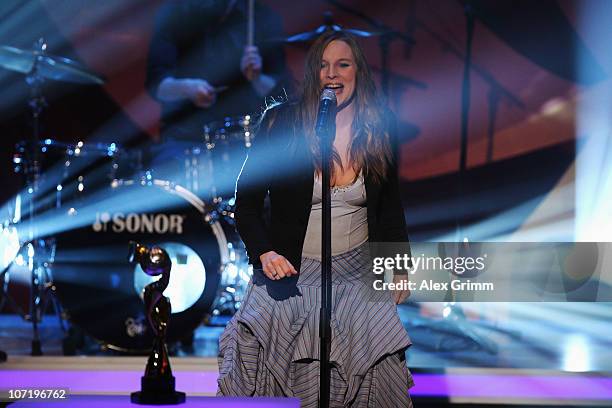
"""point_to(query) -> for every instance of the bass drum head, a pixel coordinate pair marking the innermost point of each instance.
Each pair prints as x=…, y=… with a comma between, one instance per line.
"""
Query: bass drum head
x=102, y=292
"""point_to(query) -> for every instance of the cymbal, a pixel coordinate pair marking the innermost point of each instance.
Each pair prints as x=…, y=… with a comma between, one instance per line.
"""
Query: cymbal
x=328, y=26
x=46, y=65
x=313, y=35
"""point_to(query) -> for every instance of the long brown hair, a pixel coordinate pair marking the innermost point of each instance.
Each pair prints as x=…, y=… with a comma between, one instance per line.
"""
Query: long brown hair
x=370, y=148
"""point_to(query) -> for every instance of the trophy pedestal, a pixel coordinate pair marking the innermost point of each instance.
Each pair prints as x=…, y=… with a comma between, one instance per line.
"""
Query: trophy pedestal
x=157, y=385
x=157, y=391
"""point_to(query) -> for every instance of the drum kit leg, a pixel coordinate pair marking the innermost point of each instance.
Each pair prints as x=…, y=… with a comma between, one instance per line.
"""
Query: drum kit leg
x=39, y=255
x=42, y=292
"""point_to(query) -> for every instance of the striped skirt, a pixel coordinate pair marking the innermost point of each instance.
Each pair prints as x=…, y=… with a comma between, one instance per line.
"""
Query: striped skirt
x=271, y=347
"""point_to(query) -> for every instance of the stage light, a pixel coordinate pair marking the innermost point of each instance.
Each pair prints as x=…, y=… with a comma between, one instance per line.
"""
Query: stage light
x=9, y=246
x=232, y=271
x=594, y=131
x=576, y=353
x=17, y=209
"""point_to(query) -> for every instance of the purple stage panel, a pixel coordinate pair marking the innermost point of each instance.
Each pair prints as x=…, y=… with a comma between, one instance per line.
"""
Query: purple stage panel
x=116, y=401
x=545, y=387
x=461, y=385
x=104, y=381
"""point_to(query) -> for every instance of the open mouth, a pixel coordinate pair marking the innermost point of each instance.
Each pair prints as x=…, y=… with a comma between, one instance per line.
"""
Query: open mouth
x=337, y=88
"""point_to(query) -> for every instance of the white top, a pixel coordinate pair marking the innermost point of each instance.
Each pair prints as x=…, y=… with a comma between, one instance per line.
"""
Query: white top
x=349, y=216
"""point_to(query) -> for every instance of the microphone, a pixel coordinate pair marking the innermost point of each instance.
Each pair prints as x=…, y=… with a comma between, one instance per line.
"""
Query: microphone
x=326, y=117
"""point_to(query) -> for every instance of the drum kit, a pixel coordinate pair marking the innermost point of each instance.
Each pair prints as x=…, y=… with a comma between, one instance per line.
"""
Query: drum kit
x=70, y=227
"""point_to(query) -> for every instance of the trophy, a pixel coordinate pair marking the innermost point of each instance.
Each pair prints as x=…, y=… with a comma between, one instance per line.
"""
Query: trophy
x=158, y=383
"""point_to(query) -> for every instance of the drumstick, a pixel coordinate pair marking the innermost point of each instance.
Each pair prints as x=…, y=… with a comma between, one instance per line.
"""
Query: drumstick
x=250, y=30
x=251, y=23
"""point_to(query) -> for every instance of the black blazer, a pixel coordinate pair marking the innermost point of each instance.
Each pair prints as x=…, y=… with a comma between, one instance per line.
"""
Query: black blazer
x=280, y=165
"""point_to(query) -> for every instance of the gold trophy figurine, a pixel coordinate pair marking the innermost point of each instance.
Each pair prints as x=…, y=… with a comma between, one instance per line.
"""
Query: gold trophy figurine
x=158, y=383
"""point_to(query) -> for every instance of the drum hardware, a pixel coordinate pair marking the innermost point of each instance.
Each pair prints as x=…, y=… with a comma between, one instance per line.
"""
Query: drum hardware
x=230, y=139
x=226, y=143
x=198, y=168
x=383, y=32
x=91, y=153
x=101, y=292
x=230, y=129
x=235, y=272
x=328, y=26
x=49, y=274
x=5, y=297
x=44, y=275
x=41, y=276
x=46, y=66
x=232, y=288
x=37, y=65
x=9, y=252
x=10, y=247
x=209, y=165
x=74, y=168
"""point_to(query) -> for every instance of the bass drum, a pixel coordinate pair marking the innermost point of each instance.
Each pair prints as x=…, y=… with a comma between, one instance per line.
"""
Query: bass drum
x=101, y=292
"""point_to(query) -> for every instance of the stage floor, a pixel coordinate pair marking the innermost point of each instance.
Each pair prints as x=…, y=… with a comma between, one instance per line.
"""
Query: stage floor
x=565, y=337
x=552, y=354
x=118, y=376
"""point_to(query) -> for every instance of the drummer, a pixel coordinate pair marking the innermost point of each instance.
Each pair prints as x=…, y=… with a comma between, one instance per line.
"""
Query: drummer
x=201, y=69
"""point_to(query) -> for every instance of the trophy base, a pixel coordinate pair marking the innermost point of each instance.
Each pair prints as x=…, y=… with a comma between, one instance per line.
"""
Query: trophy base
x=157, y=391
x=143, y=398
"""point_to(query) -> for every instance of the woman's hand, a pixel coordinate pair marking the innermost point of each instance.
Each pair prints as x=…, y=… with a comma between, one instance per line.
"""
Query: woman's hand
x=399, y=296
x=276, y=266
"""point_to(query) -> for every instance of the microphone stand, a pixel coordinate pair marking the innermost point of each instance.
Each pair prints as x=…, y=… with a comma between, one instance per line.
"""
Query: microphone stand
x=465, y=116
x=326, y=138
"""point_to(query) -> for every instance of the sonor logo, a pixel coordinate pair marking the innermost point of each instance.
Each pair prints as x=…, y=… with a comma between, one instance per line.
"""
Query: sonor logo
x=139, y=223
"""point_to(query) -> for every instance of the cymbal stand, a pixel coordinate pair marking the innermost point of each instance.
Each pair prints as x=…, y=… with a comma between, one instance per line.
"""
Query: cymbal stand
x=5, y=298
x=387, y=35
x=41, y=286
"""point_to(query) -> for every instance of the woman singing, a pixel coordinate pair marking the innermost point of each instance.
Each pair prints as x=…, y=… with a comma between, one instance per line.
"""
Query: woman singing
x=271, y=346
